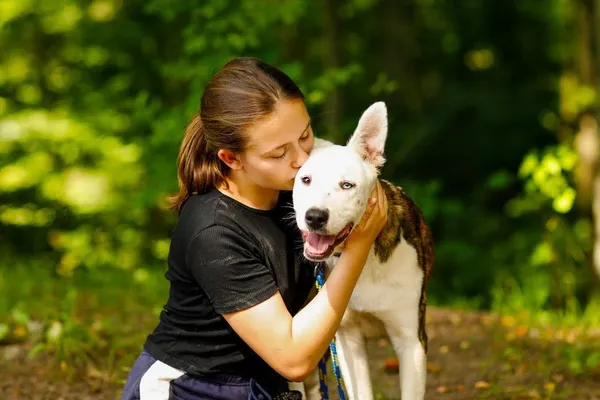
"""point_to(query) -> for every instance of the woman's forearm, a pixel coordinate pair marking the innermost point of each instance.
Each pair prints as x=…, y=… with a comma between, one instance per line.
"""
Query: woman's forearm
x=315, y=325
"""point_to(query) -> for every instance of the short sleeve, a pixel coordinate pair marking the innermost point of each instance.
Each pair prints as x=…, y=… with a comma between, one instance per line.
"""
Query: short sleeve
x=229, y=269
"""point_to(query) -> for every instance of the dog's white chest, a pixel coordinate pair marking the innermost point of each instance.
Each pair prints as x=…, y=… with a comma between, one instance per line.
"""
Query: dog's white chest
x=393, y=284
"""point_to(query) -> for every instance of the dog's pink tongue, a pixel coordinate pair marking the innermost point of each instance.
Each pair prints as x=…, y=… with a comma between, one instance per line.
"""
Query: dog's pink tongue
x=319, y=243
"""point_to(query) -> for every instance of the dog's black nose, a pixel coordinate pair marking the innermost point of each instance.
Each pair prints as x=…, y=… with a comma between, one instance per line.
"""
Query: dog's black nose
x=316, y=218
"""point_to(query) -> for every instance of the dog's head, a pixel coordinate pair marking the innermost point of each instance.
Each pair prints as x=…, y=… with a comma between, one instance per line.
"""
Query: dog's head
x=332, y=188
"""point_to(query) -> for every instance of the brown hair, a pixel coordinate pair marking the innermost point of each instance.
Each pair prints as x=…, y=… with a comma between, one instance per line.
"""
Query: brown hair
x=242, y=93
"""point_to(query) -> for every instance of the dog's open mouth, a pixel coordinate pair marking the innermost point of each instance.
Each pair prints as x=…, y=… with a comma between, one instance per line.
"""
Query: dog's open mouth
x=318, y=247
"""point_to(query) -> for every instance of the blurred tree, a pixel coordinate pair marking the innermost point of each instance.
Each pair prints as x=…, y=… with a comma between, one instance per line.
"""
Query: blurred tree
x=581, y=108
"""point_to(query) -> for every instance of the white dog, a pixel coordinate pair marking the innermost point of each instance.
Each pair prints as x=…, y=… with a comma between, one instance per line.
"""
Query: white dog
x=330, y=196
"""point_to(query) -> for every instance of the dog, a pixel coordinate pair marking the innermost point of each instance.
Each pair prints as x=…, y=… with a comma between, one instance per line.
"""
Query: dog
x=330, y=195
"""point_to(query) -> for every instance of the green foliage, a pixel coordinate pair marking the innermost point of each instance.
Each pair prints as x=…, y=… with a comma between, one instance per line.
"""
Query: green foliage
x=95, y=96
x=547, y=183
x=97, y=318
x=70, y=171
x=554, y=263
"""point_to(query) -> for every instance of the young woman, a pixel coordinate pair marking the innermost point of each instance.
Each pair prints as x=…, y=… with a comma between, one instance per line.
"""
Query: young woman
x=234, y=326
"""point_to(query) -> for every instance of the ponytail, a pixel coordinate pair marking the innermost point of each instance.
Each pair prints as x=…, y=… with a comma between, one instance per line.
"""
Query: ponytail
x=198, y=167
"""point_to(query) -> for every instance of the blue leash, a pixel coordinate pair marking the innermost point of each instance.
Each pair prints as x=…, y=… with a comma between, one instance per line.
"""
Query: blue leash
x=320, y=281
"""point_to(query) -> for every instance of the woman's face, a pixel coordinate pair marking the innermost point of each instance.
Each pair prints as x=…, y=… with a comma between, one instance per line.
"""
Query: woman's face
x=278, y=146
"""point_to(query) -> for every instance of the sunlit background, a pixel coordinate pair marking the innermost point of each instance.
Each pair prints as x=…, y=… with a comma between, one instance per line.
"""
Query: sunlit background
x=493, y=109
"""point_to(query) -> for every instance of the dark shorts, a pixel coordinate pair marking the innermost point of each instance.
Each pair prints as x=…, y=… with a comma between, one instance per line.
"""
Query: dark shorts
x=150, y=379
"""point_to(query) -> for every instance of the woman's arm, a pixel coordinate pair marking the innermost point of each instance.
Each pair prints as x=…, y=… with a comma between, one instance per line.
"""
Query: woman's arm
x=294, y=346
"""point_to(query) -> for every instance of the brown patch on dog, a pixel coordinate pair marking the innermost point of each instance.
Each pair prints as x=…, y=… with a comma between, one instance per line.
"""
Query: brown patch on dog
x=405, y=221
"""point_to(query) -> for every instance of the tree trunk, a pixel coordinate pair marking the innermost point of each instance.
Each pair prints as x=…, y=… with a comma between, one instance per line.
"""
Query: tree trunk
x=590, y=123
x=587, y=141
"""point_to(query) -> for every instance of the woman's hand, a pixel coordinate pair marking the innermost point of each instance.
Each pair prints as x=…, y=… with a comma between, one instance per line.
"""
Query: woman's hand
x=372, y=222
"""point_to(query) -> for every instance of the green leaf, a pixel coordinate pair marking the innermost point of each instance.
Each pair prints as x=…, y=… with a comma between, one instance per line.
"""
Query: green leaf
x=564, y=202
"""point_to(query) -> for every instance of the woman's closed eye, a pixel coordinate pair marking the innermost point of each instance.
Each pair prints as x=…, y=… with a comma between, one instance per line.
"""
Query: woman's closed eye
x=278, y=156
x=306, y=135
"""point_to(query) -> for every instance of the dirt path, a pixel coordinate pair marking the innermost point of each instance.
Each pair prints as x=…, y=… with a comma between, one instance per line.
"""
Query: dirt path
x=471, y=356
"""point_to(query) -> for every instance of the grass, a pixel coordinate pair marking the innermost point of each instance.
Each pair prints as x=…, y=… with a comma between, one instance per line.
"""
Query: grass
x=95, y=319
x=535, y=358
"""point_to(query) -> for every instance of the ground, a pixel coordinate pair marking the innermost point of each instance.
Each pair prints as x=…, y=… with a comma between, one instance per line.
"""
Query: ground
x=471, y=356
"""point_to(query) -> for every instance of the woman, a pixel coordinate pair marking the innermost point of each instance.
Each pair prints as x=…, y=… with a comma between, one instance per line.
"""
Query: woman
x=234, y=326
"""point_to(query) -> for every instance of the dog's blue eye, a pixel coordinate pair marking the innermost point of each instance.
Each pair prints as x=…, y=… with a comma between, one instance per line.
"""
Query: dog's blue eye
x=347, y=185
x=305, y=180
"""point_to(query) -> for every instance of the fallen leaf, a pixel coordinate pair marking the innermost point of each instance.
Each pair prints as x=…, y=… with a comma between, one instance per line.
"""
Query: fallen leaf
x=481, y=385
x=460, y=388
x=521, y=331
x=464, y=345
x=20, y=331
x=442, y=389
x=444, y=349
x=508, y=321
x=549, y=386
x=558, y=378
x=533, y=394
x=433, y=367
x=392, y=365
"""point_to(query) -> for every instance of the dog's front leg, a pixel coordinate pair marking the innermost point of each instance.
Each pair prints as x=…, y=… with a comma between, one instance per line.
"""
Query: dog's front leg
x=354, y=363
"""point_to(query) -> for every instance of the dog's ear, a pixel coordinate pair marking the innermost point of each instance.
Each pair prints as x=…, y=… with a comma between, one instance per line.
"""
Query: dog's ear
x=368, y=140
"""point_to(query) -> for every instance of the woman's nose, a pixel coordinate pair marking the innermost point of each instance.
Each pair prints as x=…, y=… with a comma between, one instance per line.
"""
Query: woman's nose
x=300, y=158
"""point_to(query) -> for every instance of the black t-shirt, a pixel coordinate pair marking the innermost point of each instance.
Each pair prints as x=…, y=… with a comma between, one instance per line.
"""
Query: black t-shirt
x=226, y=257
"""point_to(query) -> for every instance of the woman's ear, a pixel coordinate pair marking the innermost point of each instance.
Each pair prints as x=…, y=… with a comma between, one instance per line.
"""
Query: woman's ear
x=230, y=159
